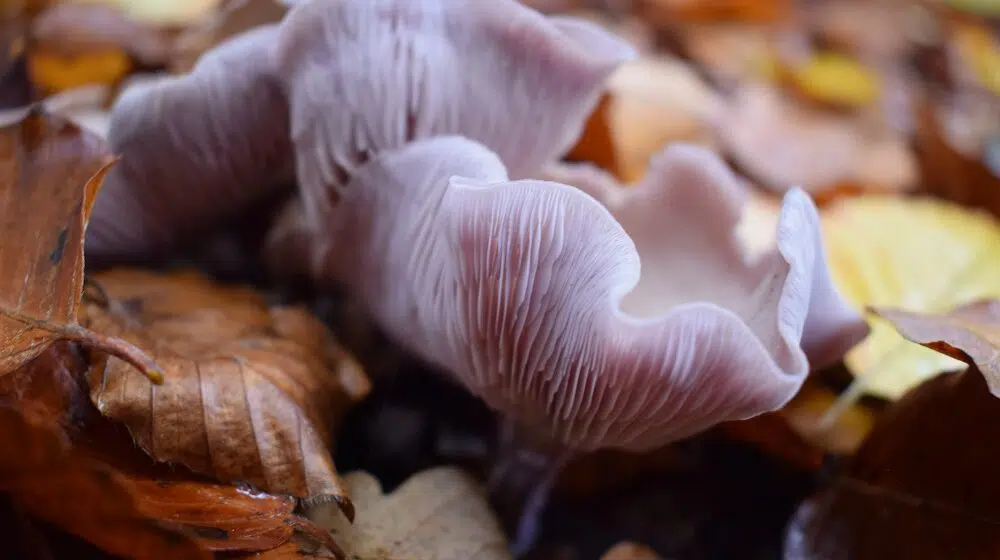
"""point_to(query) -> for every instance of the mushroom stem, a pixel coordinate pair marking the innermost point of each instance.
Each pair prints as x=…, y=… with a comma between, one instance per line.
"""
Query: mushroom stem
x=523, y=474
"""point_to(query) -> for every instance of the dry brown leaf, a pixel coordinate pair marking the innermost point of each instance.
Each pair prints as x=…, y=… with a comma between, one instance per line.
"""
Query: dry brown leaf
x=782, y=144
x=50, y=172
x=251, y=391
x=970, y=333
x=630, y=551
x=438, y=514
x=144, y=498
x=50, y=479
x=922, y=486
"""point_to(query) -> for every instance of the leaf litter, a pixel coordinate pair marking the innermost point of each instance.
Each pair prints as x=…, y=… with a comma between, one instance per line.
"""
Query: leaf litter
x=824, y=96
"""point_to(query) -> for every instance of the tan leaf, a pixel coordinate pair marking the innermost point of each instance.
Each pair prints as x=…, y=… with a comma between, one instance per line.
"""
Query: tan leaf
x=630, y=551
x=923, y=486
x=50, y=172
x=252, y=391
x=970, y=333
x=438, y=514
x=783, y=144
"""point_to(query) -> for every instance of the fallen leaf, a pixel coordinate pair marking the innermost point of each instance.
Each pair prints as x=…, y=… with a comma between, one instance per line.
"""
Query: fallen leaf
x=234, y=17
x=53, y=72
x=45, y=476
x=970, y=333
x=665, y=12
x=921, y=254
x=251, y=391
x=67, y=29
x=815, y=413
x=953, y=137
x=922, y=486
x=655, y=101
x=782, y=144
x=837, y=80
x=51, y=171
x=438, y=514
x=595, y=144
x=630, y=551
x=978, y=52
x=774, y=435
x=144, y=497
x=165, y=13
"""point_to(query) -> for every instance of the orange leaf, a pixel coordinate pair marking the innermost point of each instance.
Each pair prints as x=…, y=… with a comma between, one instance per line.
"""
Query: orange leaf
x=50, y=172
x=49, y=479
x=251, y=391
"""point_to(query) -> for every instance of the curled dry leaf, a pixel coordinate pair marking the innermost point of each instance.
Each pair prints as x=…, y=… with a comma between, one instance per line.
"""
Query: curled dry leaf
x=50, y=172
x=970, y=333
x=922, y=486
x=438, y=514
x=922, y=254
x=136, y=502
x=252, y=391
x=782, y=144
x=630, y=551
x=47, y=476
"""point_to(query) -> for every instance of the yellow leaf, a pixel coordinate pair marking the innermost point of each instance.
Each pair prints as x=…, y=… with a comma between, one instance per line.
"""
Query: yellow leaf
x=837, y=80
x=980, y=51
x=56, y=72
x=921, y=255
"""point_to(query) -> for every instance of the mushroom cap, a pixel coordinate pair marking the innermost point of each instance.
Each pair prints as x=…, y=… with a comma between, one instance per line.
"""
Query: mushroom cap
x=625, y=324
x=331, y=86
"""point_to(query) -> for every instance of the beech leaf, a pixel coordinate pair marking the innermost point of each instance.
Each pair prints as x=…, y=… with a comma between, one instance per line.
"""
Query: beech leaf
x=970, y=333
x=922, y=486
x=438, y=514
x=252, y=391
x=50, y=172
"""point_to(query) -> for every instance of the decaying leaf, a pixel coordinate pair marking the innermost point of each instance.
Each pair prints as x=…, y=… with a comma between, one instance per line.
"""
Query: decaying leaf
x=438, y=514
x=630, y=551
x=970, y=333
x=48, y=477
x=251, y=393
x=919, y=254
x=782, y=144
x=922, y=486
x=50, y=170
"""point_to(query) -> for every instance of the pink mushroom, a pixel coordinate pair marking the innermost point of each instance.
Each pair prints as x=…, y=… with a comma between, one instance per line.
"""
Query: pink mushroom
x=331, y=86
x=530, y=293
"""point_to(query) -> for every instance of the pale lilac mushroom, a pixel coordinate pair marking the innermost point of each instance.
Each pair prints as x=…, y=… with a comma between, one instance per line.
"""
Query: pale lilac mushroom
x=530, y=293
x=333, y=84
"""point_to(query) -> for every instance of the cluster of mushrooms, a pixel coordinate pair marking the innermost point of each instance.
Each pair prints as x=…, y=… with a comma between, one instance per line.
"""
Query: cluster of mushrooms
x=424, y=137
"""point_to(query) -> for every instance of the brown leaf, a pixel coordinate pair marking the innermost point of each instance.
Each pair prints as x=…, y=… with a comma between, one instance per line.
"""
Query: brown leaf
x=169, y=499
x=45, y=475
x=439, y=513
x=51, y=171
x=595, y=144
x=922, y=486
x=251, y=392
x=970, y=333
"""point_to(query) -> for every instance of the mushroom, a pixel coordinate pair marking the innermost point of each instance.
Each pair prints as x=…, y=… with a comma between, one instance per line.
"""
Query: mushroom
x=530, y=294
x=329, y=87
